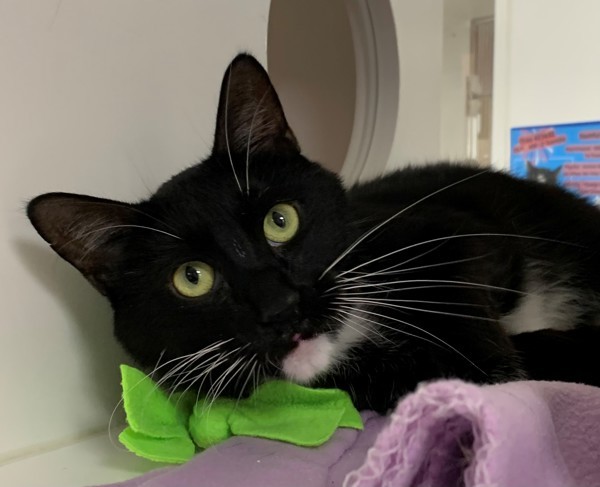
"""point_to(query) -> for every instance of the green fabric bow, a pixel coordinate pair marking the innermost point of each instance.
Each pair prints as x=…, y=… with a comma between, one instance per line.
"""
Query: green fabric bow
x=169, y=429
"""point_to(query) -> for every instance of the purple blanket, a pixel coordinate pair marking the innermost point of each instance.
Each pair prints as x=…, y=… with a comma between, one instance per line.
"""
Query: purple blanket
x=446, y=433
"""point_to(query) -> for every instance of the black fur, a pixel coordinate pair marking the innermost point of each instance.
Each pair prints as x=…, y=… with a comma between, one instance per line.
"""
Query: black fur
x=462, y=248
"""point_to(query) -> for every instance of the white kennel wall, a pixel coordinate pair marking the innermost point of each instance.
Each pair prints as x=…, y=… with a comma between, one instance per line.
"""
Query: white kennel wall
x=107, y=98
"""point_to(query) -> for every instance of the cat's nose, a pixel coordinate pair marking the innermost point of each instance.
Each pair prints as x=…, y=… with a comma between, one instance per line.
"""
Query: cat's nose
x=281, y=307
x=273, y=297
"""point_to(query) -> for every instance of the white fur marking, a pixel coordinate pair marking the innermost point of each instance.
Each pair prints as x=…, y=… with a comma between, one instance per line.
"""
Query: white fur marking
x=312, y=357
x=308, y=359
x=546, y=306
x=351, y=332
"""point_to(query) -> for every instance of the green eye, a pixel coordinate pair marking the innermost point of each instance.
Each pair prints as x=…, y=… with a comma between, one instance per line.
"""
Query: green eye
x=281, y=223
x=193, y=279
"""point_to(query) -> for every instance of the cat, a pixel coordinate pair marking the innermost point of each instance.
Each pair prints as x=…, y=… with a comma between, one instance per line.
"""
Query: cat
x=542, y=175
x=257, y=263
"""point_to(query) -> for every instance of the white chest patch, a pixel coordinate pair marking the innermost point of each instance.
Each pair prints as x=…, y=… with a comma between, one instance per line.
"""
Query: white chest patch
x=308, y=359
x=312, y=357
x=546, y=305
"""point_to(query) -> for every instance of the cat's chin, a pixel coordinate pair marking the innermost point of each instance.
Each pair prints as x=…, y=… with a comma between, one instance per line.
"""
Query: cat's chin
x=309, y=359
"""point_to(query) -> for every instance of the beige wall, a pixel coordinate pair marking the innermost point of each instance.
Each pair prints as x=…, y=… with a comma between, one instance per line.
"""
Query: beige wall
x=311, y=63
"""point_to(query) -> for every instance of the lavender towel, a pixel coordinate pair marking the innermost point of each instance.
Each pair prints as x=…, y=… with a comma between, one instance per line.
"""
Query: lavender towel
x=517, y=434
x=446, y=433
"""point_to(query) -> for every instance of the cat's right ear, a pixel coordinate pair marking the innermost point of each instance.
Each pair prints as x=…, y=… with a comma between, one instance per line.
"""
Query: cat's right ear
x=250, y=117
x=85, y=231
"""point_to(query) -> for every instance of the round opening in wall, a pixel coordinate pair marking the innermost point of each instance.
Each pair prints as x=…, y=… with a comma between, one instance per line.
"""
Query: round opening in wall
x=335, y=67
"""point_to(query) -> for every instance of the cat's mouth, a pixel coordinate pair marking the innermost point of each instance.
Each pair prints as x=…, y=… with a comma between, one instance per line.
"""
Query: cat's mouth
x=299, y=337
x=313, y=352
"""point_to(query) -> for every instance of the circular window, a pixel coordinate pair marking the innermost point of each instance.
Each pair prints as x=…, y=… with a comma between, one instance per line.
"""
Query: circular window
x=335, y=67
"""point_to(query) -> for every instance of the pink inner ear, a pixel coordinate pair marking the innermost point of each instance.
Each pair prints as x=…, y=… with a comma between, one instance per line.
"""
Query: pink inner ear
x=297, y=337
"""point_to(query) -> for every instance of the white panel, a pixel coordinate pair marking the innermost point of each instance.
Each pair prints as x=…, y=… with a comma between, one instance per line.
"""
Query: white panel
x=458, y=16
x=105, y=97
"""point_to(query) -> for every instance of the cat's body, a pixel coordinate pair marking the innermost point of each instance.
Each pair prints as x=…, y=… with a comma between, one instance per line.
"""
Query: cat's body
x=529, y=267
x=256, y=263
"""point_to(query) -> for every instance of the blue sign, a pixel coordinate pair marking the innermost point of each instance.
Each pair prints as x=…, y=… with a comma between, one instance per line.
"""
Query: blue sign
x=567, y=155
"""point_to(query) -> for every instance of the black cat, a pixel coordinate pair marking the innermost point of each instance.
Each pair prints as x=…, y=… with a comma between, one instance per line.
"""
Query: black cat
x=257, y=263
x=542, y=175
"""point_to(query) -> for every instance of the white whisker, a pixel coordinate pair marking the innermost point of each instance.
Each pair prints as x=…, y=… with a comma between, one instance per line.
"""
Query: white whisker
x=372, y=313
x=111, y=227
x=345, y=310
x=250, y=140
x=227, y=129
x=412, y=288
x=451, y=237
x=389, y=272
x=385, y=304
x=220, y=384
x=358, y=330
x=394, y=216
x=182, y=359
x=394, y=300
x=251, y=361
x=434, y=281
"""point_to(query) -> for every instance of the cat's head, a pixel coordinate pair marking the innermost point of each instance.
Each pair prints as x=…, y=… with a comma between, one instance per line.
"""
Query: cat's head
x=542, y=175
x=220, y=273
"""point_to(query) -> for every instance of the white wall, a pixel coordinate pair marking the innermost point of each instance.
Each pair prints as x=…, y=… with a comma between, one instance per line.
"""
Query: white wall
x=108, y=98
x=547, y=66
x=419, y=36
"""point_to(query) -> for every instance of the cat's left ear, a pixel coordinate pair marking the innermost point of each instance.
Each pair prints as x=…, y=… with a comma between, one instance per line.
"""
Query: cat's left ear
x=87, y=232
x=250, y=117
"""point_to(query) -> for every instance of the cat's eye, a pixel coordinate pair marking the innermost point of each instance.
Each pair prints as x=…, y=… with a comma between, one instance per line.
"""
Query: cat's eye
x=193, y=279
x=281, y=224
